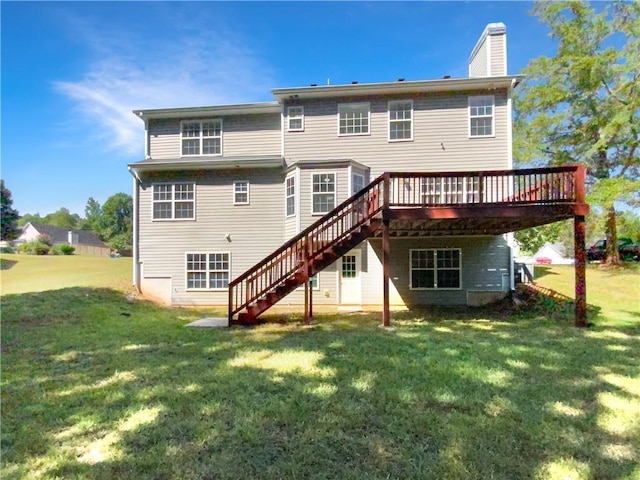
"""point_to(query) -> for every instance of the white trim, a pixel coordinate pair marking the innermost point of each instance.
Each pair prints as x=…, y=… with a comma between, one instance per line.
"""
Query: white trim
x=509, y=129
x=389, y=121
x=173, y=202
x=286, y=196
x=335, y=191
x=435, y=269
x=282, y=120
x=488, y=49
x=493, y=116
x=317, y=287
x=298, y=201
x=200, y=138
x=504, y=51
x=207, y=272
x=235, y=192
x=355, y=105
x=299, y=116
x=350, y=182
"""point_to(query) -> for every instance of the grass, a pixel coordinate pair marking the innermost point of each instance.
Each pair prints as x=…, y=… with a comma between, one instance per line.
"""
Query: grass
x=94, y=387
x=30, y=273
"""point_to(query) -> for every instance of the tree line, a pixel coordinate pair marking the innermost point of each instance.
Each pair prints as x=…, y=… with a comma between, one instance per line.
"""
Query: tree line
x=112, y=221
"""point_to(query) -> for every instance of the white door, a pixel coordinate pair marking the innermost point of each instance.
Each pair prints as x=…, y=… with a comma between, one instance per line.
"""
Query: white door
x=350, y=288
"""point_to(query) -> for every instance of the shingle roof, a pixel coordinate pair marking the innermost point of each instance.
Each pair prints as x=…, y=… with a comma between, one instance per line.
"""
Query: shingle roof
x=61, y=235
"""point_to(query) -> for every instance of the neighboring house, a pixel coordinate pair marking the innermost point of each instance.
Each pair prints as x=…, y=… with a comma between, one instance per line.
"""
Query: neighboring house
x=235, y=204
x=84, y=241
x=554, y=253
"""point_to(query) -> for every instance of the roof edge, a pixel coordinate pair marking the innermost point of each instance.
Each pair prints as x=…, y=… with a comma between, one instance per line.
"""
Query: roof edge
x=193, y=112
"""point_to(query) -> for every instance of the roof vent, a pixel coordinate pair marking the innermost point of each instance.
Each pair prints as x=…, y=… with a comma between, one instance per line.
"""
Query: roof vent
x=314, y=85
x=447, y=76
x=401, y=79
x=354, y=82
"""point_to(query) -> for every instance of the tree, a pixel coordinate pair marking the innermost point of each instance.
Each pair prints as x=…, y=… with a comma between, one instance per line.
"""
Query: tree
x=62, y=218
x=30, y=218
x=92, y=215
x=116, y=226
x=582, y=106
x=8, y=216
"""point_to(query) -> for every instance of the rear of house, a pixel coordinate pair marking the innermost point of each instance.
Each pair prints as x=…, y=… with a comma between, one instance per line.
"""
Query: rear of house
x=221, y=187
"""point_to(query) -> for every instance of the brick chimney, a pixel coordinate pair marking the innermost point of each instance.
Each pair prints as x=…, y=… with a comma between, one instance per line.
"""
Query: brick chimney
x=489, y=56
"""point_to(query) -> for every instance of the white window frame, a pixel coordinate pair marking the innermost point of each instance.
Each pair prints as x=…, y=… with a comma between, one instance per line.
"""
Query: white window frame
x=295, y=112
x=482, y=114
x=353, y=176
x=173, y=201
x=237, y=192
x=207, y=271
x=435, y=268
x=353, y=106
x=288, y=195
x=313, y=194
x=316, y=279
x=391, y=121
x=201, y=138
x=449, y=190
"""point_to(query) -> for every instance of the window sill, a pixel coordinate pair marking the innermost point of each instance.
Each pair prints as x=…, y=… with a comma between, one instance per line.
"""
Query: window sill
x=165, y=220
x=400, y=140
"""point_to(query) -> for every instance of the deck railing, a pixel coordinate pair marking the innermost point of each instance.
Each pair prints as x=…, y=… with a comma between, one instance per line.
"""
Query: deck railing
x=402, y=189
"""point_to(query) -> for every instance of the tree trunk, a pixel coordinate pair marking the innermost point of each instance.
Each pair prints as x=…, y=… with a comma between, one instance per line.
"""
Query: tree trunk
x=613, y=256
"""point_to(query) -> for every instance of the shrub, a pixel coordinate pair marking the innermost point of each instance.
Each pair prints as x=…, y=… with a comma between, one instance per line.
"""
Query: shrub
x=62, y=249
x=7, y=249
x=39, y=246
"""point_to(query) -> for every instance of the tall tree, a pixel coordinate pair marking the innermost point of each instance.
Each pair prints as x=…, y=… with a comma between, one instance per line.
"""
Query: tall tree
x=92, y=215
x=582, y=106
x=8, y=216
x=63, y=218
x=30, y=217
x=116, y=227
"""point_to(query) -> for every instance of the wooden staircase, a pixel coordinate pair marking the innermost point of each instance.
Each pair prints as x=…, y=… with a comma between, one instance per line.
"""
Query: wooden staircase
x=306, y=254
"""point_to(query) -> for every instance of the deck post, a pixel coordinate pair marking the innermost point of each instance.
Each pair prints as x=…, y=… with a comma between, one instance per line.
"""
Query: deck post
x=306, y=280
x=580, y=271
x=386, y=315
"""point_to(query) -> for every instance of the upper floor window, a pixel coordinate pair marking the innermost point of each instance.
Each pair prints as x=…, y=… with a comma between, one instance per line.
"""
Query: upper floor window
x=447, y=190
x=400, y=120
x=295, y=119
x=207, y=271
x=290, y=195
x=202, y=137
x=323, y=193
x=174, y=201
x=241, y=193
x=353, y=118
x=435, y=269
x=481, y=117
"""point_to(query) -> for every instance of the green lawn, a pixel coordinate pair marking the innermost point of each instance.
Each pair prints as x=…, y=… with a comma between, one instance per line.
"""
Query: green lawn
x=94, y=387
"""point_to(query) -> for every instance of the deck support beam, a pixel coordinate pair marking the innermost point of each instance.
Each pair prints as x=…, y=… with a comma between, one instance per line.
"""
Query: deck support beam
x=386, y=314
x=580, y=271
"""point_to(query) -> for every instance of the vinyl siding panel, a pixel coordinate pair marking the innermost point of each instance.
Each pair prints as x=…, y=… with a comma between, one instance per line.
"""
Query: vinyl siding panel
x=498, y=55
x=484, y=261
x=441, y=137
x=255, y=230
x=241, y=135
x=478, y=67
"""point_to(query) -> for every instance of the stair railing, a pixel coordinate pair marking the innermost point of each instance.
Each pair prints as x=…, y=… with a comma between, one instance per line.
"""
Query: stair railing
x=298, y=254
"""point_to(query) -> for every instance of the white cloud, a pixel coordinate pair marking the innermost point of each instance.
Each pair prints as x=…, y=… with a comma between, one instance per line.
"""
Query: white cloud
x=186, y=67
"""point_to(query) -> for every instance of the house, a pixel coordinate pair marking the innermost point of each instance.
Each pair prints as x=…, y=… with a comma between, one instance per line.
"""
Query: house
x=84, y=241
x=554, y=253
x=393, y=193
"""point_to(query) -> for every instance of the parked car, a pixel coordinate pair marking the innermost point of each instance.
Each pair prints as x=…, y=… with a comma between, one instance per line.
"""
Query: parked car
x=598, y=251
x=630, y=252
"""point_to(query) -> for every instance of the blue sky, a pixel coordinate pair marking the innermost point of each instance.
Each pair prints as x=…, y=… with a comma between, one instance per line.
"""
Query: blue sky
x=73, y=71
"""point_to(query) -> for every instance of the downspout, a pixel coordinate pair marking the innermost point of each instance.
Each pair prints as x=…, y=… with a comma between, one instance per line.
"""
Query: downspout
x=136, y=253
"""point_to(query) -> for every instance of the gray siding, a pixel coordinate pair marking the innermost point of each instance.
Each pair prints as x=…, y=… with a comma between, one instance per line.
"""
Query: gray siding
x=484, y=262
x=498, y=56
x=478, y=66
x=441, y=137
x=255, y=230
x=241, y=135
